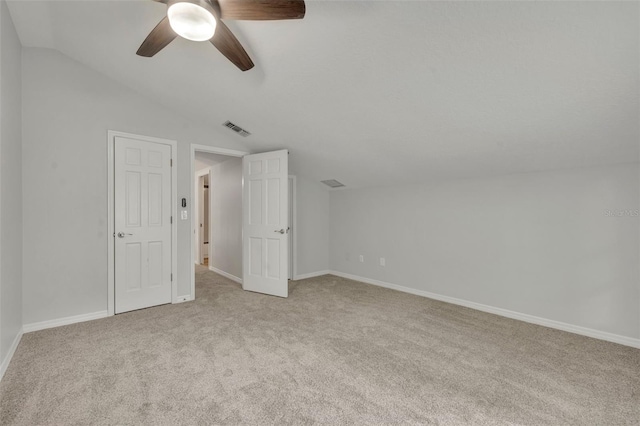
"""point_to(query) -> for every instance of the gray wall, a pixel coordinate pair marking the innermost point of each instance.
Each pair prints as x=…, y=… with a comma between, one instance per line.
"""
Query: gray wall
x=541, y=244
x=312, y=226
x=225, y=190
x=10, y=183
x=67, y=110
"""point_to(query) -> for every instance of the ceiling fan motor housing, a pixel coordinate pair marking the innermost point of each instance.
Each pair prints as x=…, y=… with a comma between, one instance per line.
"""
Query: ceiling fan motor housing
x=194, y=20
x=211, y=7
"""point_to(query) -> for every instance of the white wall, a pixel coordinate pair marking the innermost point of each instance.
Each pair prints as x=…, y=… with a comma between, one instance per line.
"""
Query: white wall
x=225, y=190
x=539, y=244
x=11, y=186
x=312, y=223
x=67, y=110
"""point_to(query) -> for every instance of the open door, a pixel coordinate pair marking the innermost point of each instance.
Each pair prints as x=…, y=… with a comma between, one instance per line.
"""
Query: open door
x=265, y=248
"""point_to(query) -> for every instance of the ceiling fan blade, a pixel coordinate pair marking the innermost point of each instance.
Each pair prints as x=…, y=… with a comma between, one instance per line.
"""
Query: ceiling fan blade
x=229, y=46
x=157, y=39
x=261, y=10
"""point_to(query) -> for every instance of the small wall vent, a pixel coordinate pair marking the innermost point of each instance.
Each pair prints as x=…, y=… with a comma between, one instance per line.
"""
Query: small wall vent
x=239, y=130
x=333, y=183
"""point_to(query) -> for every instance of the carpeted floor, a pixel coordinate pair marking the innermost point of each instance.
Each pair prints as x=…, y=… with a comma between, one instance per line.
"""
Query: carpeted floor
x=335, y=352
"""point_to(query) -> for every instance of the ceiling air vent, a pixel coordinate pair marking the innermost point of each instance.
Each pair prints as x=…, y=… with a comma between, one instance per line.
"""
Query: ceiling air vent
x=333, y=183
x=239, y=130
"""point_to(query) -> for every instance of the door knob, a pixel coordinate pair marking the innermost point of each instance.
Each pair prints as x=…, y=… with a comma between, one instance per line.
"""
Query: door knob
x=281, y=231
x=122, y=234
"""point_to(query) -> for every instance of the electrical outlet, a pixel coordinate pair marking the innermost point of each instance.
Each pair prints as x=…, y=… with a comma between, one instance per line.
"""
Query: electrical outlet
x=382, y=261
x=362, y=258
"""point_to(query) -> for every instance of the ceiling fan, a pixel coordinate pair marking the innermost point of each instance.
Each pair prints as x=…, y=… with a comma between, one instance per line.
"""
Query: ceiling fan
x=201, y=20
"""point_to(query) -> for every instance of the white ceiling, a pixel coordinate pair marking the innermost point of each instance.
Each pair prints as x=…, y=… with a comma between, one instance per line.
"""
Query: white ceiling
x=382, y=92
x=210, y=158
x=207, y=159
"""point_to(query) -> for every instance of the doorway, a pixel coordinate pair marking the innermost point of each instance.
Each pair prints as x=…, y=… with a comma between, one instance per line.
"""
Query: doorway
x=218, y=225
x=216, y=191
x=201, y=208
x=262, y=219
x=204, y=220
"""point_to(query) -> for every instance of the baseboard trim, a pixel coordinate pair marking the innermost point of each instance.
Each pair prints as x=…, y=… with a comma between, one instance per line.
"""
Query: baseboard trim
x=558, y=325
x=28, y=328
x=12, y=350
x=226, y=274
x=311, y=275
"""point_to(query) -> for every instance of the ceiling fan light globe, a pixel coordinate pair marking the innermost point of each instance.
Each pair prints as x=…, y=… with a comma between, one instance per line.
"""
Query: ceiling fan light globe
x=191, y=21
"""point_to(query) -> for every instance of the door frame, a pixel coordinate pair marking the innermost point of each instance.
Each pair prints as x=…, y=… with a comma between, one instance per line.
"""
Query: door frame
x=111, y=280
x=192, y=158
x=196, y=203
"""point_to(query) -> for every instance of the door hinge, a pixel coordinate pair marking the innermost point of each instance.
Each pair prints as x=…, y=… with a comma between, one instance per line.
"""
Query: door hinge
x=171, y=162
x=172, y=277
x=171, y=219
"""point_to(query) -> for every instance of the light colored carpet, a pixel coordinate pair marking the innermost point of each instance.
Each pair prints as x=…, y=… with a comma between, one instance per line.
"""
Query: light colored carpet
x=335, y=352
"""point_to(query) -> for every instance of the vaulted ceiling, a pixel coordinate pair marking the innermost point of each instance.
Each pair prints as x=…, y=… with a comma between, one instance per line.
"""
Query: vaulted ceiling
x=386, y=92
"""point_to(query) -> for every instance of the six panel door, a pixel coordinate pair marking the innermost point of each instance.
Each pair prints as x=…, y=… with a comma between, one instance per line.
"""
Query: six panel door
x=142, y=201
x=265, y=223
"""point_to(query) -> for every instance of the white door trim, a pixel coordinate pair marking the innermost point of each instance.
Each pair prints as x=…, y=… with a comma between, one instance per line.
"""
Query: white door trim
x=212, y=150
x=111, y=135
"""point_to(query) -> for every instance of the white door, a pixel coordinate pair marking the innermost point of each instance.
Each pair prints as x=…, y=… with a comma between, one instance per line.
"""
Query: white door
x=142, y=202
x=265, y=250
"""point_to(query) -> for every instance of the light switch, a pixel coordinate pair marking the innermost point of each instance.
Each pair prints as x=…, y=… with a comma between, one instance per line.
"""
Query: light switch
x=183, y=215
